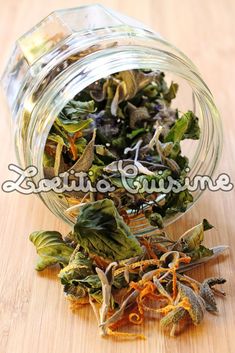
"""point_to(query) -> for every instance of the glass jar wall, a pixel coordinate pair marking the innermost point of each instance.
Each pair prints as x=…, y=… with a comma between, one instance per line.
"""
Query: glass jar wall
x=71, y=49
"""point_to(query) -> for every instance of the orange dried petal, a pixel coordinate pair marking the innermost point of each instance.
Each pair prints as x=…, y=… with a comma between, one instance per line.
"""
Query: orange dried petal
x=135, y=318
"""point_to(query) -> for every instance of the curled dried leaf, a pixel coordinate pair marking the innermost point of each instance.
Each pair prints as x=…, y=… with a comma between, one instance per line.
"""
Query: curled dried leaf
x=130, y=83
x=84, y=163
x=206, y=292
x=162, y=290
x=98, y=90
x=193, y=237
x=197, y=305
x=78, y=268
x=173, y=318
x=170, y=259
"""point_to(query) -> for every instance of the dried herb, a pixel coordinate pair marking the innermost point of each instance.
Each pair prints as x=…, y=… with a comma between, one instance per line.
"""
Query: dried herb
x=51, y=249
x=126, y=117
x=126, y=277
x=78, y=267
x=101, y=230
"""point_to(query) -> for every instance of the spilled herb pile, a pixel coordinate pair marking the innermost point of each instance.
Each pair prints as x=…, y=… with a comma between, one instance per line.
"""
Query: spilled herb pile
x=126, y=117
x=127, y=278
x=127, y=120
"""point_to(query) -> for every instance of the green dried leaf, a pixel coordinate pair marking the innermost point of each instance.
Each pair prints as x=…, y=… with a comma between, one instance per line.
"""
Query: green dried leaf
x=135, y=133
x=178, y=202
x=155, y=219
x=76, y=109
x=101, y=150
x=56, y=138
x=171, y=93
x=91, y=281
x=74, y=126
x=75, y=291
x=48, y=161
x=101, y=230
x=79, y=268
x=194, y=237
x=51, y=249
x=95, y=172
x=199, y=253
x=151, y=90
x=75, y=116
x=90, y=285
x=97, y=295
x=186, y=127
x=80, y=145
x=191, y=242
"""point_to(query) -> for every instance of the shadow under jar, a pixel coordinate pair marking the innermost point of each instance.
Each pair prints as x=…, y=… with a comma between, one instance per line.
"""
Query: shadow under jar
x=72, y=49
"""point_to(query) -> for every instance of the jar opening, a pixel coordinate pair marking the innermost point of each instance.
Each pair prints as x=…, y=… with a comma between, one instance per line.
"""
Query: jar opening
x=115, y=60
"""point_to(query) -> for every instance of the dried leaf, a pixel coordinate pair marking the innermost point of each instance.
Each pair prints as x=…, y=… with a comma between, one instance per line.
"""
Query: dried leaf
x=197, y=305
x=207, y=294
x=79, y=268
x=84, y=163
x=51, y=249
x=186, y=127
x=193, y=237
x=137, y=115
x=173, y=318
x=101, y=230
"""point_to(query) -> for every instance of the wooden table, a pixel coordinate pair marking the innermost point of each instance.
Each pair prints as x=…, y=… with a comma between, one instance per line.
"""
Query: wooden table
x=34, y=316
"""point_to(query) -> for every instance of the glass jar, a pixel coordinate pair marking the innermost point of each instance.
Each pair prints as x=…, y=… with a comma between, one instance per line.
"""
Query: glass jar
x=69, y=50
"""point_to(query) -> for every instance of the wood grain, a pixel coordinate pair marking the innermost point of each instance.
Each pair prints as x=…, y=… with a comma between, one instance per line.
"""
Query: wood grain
x=34, y=315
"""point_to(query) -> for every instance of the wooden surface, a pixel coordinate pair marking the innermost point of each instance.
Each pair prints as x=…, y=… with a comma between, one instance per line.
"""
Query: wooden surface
x=34, y=316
